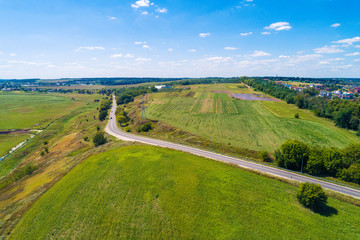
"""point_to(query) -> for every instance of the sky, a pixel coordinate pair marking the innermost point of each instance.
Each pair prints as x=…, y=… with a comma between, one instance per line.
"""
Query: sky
x=179, y=38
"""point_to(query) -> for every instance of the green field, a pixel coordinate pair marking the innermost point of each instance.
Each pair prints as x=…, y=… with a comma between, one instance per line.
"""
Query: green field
x=21, y=110
x=143, y=192
x=254, y=125
x=7, y=142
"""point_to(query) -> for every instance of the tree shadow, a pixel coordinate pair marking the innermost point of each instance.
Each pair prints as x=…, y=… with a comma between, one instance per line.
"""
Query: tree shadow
x=326, y=211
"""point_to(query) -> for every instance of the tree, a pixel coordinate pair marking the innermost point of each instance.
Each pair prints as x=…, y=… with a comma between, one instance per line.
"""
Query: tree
x=296, y=115
x=342, y=119
x=122, y=119
x=264, y=155
x=99, y=139
x=315, y=163
x=351, y=174
x=102, y=115
x=311, y=196
x=291, y=155
x=145, y=127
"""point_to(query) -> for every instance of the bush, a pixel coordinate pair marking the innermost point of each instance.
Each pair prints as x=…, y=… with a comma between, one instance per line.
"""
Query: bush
x=99, y=139
x=264, y=155
x=145, y=127
x=127, y=129
x=297, y=115
x=311, y=196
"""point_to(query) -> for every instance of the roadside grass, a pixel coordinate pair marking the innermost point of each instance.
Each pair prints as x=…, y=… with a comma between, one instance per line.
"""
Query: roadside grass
x=66, y=149
x=34, y=110
x=8, y=141
x=145, y=192
x=253, y=125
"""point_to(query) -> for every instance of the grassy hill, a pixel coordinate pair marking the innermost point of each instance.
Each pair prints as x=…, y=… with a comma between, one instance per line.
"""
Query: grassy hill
x=205, y=111
x=144, y=192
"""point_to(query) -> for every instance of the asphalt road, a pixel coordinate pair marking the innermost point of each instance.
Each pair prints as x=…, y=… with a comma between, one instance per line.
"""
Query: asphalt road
x=112, y=129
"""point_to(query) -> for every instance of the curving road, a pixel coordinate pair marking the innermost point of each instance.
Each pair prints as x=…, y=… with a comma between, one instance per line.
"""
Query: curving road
x=112, y=129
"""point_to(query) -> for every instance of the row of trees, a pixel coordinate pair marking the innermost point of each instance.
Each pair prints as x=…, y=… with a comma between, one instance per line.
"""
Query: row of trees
x=105, y=105
x=343, y=164
x=345, y=113
x=127, y=95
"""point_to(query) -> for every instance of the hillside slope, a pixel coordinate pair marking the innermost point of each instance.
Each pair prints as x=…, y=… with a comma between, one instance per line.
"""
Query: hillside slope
x=147, y=192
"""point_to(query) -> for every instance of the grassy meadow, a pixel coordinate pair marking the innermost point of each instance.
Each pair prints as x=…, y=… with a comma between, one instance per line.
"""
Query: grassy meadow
x=27, y=110
x=145, y=192
x=67, y=148
x=7, y=142
x=253, y=125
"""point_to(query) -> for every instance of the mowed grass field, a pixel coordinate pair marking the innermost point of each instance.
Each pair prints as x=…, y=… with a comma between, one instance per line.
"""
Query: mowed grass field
x=254, y=125
x=7, y=142
x=22, y=110
x=145, y=192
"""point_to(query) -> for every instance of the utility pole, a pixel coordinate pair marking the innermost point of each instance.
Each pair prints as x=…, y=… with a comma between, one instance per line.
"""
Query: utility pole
x=143, y=112
x=302, y=161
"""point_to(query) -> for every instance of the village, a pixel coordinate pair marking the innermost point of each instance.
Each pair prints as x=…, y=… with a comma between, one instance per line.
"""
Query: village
x=346, y=92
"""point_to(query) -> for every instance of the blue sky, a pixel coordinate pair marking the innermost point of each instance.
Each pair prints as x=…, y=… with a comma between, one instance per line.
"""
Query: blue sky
x=179, y=38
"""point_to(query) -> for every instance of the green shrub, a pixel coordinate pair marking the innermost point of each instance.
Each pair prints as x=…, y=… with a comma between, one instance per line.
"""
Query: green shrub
x=312, y=196
x=127, y=129
x=297, y=115
x=99, y=139
x=145, y=127
x=264, y=155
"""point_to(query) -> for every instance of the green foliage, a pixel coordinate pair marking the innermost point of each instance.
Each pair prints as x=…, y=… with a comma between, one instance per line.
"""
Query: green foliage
x=99, y=139
x=103, y=115
x=17, y=174
x=86, y=138
x=343, y=164
x=46, y=149
x=145, y=192
x=351, y=174
x=264, y=155
x=45, y=142
x=312, y=196
x=127, y=129
x=291, y=155
x=297, y=115
x=145, y=127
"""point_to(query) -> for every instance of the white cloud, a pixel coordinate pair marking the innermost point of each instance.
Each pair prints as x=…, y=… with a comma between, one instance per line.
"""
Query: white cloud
x=90, y=48
x=12, y=54
x=357, y=60
x=353, y=54
x=305, y=58
x=246, y=34
x=161, y=10
x=112, y=18
x=284, y=57
x=230, y=48
x=170, y=49
x=259, y=54
x=266, y=33
x=349, y=40
x=218, y=59
x=327, y=49
x=117, y=55
x=279, y=26
x=120, y=55
x=139, y=43
x=140, y=59
x=204, y=35
x=192, y=50
x=141, y=3
x=145, y=13
x=145, y=46
x=335, y=25
x=357, y=46
x=94, y=58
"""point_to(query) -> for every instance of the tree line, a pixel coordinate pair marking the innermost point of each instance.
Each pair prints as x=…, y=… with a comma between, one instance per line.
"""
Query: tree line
x=339, y=163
